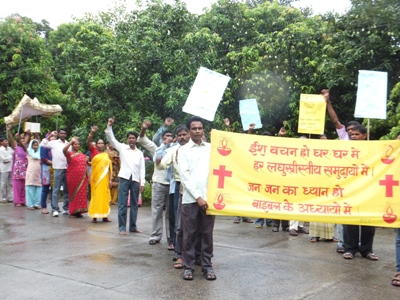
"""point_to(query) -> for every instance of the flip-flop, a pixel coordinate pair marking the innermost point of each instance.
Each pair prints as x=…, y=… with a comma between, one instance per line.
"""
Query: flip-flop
x=153, y=242
x=106, y=220
x=95, y=221
x=122, y=233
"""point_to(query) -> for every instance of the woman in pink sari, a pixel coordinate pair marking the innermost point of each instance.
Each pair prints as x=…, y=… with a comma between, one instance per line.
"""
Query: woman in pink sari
x=77, y=179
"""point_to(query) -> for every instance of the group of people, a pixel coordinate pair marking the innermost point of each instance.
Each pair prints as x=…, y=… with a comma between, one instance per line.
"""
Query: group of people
x=31, y=169
x=181, y=168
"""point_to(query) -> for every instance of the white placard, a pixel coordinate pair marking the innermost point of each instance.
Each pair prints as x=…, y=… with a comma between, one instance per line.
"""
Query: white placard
x=371, y=95
x=34, y=127
x=249, y=113
x=206, y=93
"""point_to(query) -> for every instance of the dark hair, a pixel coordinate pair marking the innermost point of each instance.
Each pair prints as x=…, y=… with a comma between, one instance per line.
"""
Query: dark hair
x=267, y=133
x=352, y=123
x=2, y=138
x=62, y=129
x=132, y=133
x=362, y=129
x=194, y=119
x=167, y=131
x=180, y=128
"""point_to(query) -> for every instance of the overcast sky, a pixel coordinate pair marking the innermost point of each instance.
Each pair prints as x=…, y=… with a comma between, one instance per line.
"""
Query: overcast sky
x=61, y=11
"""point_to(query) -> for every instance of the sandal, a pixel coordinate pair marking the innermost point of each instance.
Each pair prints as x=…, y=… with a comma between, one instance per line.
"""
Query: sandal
x=293, y=232
x=95, y=221
x=106, y=220
x=122, y=233
x=179, y=264
x=275, y=229
x=371, y=256
x=209, y=274
x=153, y=242
x=302, y=230
x=236, y=221
x=44, y=211
x=348, y=255
x=188, y=274
x=171, y=247
x=396, y=279
x=340, y=249
x=314, y=239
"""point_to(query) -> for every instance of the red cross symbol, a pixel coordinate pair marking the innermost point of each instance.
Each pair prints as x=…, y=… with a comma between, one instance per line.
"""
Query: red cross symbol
x=389, y=183
x=222, y=173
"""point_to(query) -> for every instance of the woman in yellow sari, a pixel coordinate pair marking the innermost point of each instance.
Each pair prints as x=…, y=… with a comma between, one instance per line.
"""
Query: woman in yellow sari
x=100, y=183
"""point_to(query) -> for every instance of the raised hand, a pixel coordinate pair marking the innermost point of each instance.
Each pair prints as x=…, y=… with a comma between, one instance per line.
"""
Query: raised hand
x=252, y=126
x=94, y=128
x=146, y=124
x=282, y=132
x=227, y=122
x=168, y=121
x=325, y=93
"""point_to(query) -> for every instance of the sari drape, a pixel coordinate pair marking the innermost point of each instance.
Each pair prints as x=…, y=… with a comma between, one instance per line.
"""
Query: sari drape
x=99, y=184
x=77, y=183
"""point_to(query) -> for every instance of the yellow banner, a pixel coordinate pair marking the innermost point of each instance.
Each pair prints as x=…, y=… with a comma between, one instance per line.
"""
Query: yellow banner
x=331, y=181
x=312, y=111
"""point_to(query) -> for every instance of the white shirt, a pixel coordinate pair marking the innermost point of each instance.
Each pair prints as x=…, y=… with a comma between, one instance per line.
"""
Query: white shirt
x=6, y=156
x=132, y=161
x=158, y=174
x=57, y=146
x=342, y=133
x=170, y=159
x=194, y=165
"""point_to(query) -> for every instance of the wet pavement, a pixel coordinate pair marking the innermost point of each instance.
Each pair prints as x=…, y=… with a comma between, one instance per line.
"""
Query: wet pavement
x=42, y=257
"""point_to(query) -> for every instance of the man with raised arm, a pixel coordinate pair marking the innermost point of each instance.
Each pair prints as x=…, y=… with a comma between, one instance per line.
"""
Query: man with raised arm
x=342, y=131
x=131, y=177
x=343, y=134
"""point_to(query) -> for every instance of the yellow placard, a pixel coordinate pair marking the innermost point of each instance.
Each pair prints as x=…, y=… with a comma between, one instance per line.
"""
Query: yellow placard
x=312, y=113
x=331, y=181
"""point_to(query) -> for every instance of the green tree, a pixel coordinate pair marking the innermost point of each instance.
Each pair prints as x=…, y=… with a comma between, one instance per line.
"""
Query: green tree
x=25, y=66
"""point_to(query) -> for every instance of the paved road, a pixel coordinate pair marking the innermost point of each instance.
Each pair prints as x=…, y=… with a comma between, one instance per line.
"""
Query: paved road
x=42, y=257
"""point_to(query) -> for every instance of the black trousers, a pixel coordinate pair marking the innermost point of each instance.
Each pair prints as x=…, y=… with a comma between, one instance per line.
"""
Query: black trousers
x=358, y=238
x=194, y=218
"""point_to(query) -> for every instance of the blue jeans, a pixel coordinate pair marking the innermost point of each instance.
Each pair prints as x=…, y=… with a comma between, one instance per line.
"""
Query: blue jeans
x=397, y=230
x=260, y=221
x=123, y=188
x=45, y=192
x=60, y=178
